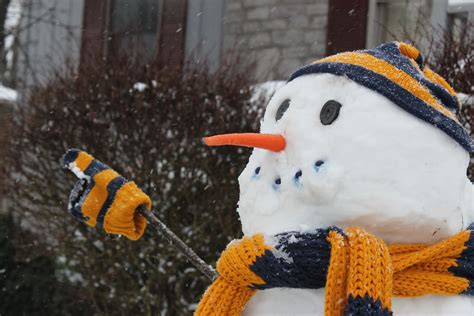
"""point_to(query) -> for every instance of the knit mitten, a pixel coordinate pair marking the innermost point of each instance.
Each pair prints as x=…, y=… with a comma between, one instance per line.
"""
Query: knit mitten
x=102, y=197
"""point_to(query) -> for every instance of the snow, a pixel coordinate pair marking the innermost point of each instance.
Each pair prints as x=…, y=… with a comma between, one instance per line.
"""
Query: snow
x=265, y=90
x=140, y=86
x=7, y=94
x=384, y=170
x=284, y=301
x=460, y=2
x=77, y=171
x=355, y=185
x=281, y=254
x=465, y=99
x=13, y=14
x=292, y=240
x=11, y=22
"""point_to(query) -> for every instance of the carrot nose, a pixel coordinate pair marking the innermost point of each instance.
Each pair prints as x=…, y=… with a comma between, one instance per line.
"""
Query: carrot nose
x=273, y=142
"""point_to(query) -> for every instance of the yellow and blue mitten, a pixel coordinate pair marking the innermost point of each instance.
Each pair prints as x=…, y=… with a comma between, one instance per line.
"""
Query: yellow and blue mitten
x=102, y=197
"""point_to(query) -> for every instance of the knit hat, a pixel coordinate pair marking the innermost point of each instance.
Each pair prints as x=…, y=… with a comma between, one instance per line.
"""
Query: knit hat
x=396, y=70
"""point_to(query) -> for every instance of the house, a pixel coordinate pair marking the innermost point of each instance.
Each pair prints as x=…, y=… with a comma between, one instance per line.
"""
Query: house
x=7, y=100
x=280, y=35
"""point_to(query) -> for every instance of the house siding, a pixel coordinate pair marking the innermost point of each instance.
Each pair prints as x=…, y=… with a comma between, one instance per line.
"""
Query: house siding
x=50, y=40
x=93, y=33
x=172, y=34
x=204, y=32
x=6, y=116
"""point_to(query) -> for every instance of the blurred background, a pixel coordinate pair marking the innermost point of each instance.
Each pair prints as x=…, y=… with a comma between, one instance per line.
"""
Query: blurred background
x=137, y=83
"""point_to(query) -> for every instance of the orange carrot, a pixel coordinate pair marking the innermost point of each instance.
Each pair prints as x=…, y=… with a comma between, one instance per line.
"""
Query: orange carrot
x=273, y=142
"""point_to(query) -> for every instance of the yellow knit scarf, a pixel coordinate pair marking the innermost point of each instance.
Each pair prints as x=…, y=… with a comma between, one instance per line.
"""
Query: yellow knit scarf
x=362, y=275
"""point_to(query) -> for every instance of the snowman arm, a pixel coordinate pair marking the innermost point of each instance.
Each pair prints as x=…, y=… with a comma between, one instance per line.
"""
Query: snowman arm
x=103, y=198
x=180, y=245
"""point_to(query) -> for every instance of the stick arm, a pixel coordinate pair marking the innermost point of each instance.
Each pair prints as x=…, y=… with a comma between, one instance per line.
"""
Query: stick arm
x=176, y=242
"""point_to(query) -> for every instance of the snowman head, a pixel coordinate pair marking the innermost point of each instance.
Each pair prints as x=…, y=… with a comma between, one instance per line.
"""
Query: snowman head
x=369, y=139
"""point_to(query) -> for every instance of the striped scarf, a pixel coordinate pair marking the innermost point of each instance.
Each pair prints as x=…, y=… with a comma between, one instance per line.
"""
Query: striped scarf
x=359, y=271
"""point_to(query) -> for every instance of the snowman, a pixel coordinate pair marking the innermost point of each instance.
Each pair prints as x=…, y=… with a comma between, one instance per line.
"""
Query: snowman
x=355, y=200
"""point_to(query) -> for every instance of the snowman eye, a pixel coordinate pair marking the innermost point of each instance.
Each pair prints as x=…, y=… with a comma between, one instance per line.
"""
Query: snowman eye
x=329, y=112
x=282, y=109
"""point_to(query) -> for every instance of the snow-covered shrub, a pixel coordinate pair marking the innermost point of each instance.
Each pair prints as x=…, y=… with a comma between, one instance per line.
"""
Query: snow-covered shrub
x=147, y=124
x=28, y=285
x=450, y=52
x=453, y=58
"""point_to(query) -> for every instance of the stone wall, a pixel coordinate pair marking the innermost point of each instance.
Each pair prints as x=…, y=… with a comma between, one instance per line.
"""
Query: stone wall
x=281, y=35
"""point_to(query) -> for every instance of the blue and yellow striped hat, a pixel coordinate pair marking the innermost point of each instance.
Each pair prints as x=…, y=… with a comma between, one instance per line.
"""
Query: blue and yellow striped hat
x=396, y=70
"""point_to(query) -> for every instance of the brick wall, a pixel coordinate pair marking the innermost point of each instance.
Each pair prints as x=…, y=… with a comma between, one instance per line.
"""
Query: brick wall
x=281, y=35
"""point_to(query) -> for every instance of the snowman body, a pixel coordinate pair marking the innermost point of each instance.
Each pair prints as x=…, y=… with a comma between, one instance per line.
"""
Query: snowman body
x=373, y=166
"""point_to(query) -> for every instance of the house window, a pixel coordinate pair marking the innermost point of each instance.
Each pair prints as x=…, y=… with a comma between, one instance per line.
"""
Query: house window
x=457, y=20
x=460, y=14
x=134, y=29
x=396, y=20
x=412, y=19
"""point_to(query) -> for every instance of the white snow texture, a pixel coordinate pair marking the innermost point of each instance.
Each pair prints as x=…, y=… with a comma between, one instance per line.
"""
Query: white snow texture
x=383, y=170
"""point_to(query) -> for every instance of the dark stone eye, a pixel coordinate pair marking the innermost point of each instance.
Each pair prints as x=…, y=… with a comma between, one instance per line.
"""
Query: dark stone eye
x=282, y=109
x=329, y=112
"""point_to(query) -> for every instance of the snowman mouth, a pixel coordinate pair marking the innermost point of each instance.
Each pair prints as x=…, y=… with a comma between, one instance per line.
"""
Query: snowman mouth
x=318, y=165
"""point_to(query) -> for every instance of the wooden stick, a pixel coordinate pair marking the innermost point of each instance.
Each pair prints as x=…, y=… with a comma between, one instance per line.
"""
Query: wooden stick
x=176, y=242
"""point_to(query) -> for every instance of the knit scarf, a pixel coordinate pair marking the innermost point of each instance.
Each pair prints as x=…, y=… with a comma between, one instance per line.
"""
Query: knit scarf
x=359, y=271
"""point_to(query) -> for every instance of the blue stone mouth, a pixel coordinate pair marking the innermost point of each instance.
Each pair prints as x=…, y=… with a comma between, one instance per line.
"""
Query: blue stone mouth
x=318, y=165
